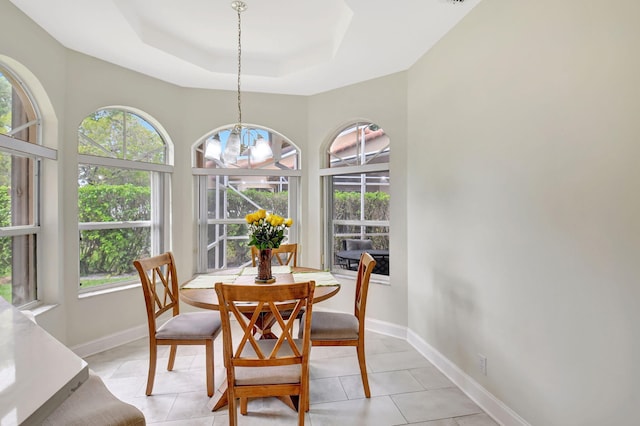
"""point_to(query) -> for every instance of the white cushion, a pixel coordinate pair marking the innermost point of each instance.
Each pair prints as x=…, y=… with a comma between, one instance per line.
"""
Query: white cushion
x=333, y=326
x=191, y=325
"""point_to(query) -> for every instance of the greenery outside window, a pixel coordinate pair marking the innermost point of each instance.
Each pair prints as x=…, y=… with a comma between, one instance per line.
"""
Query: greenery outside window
x=123, y=196
x=226, y=191
x=21, y=156
x=357, y=193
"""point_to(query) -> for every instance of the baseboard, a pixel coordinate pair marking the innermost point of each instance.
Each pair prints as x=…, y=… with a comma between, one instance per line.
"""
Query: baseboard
x=110, y=341
x=386, y=328
x=487, y=401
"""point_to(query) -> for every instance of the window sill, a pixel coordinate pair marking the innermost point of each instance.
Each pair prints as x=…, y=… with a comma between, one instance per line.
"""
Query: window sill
x=98, y=292
x=374, y=279
x=39, y=309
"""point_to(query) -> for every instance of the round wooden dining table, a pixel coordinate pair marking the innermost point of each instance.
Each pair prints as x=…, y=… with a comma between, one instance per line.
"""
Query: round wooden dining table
x=206, y=298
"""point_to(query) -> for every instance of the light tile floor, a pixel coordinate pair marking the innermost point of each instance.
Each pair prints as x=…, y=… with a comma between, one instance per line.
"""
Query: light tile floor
x=405, y=388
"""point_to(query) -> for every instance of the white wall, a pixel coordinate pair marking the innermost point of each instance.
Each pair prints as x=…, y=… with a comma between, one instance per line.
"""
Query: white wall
x=524, y=208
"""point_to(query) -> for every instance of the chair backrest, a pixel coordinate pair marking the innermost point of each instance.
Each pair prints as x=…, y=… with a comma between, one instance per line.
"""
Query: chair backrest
x=365, y=267
x=159, y=281
x=248, y=351
x=286, y=254
x=357, y=244
x=255, y=254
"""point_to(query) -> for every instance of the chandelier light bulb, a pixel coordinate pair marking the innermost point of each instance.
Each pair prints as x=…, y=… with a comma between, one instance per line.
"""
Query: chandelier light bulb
x=213, y=149
x=261, y=150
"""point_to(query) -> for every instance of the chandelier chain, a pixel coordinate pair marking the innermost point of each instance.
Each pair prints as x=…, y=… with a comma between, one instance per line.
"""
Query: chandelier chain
x=239, y=65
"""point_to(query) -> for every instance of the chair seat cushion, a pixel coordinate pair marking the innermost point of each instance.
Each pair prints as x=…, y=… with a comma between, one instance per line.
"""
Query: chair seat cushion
x=284, y=374
x=333, y=326
x=191, y=325
x=93, y=404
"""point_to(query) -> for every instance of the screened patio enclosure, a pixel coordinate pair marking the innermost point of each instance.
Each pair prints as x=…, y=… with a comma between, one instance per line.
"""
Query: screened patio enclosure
x=229, y=188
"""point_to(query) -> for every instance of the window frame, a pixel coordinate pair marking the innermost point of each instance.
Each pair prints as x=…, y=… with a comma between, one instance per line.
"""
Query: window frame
x=327, y=173
x=37, y=153
x=202, y=175
x=160, y=183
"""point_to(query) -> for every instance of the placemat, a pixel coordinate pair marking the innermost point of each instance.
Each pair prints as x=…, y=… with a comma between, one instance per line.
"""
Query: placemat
x=321, y=278
x=209, y=281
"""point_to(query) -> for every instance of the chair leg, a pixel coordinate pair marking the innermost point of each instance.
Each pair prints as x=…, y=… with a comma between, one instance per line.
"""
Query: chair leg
x=172, y=357
x=306, y=393
x=244, y=402
x=209, y=361
x=231, y=402
x=363, y=369
x=302, y=404
x=153, y=355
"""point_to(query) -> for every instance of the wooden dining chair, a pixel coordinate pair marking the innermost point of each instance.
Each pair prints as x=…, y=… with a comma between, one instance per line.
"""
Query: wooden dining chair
x=267, y=367
x=160, y=288
x=342, y=329
x=286, y=254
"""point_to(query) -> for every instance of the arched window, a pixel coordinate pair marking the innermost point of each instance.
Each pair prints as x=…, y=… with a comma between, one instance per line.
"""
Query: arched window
x=357, y=193
x=124, y=170
x=262, y=171
x=21, y=156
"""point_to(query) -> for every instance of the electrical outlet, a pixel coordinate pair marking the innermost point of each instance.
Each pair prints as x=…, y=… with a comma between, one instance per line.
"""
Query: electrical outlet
x=482, y=360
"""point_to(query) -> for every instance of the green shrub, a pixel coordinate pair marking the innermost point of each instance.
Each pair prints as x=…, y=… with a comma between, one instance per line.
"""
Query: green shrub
x=113, y=251
x=5, y=220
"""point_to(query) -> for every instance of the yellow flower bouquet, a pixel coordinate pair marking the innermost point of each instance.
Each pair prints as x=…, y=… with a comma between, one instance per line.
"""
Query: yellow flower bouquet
x=266, y=230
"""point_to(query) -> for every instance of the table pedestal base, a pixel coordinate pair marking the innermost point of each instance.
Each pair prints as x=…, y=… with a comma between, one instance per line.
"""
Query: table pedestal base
x=221, y=399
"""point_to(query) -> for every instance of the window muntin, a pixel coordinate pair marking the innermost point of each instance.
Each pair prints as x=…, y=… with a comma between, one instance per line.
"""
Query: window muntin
x=19, y=190
x=357, y=189
x=228, y=191
x=122, y=196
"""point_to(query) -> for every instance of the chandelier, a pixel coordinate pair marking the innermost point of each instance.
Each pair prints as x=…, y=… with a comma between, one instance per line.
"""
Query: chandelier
x=242, y=141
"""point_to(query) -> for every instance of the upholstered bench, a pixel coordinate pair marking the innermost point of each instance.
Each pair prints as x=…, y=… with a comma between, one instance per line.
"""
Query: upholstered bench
x=92, y=404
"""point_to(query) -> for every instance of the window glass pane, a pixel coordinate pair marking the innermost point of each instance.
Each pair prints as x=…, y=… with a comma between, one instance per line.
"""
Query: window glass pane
x=5, y=190
x=354, y=211
x=17, y=115
x=259, y=149
x=16, y=190
x=17, y=271
x=376, y=196
x=227, y=246
x=251, y=193
x=360, y=144
x=232, y=198
x=18, y=195
x=106, y=255
x=107, y=194
x=361, y=196
x=120, y=134
x=360, y=201
x=6, y=100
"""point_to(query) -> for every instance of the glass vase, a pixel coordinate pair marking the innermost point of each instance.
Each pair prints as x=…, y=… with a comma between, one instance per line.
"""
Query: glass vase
x=264, y=267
